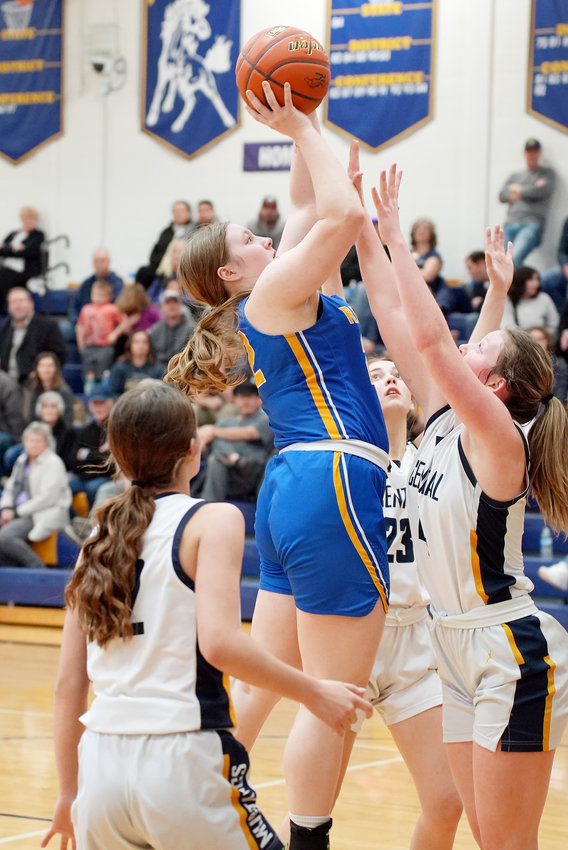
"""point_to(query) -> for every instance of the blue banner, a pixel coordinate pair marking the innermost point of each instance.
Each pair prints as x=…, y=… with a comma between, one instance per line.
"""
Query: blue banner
x=189, y=94
x=382, y=57
x=547, y=90
x=31, y=97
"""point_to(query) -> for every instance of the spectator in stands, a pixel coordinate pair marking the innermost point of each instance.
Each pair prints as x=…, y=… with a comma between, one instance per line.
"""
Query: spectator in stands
x=80, y=527
x=170, y=334
x=163, y=282
x=179, y=228
x=47, y=376
x=555, y=281
x=528, y=194
x=556, y=575
x=544, y=338
x=24, y=334
x=527, y=306
x=268, y=222
x=478, y=283
x=90, y=463
x=102, y=271
x=137, y=362
x=210, y=406
x=206, y=214
x=20, y=254
x=11, y=419
x=138, y=313
x=561, y=347
x=98, y=328
x=50, y=408
x=36, y=498
x=238, y=449
x=423, y=241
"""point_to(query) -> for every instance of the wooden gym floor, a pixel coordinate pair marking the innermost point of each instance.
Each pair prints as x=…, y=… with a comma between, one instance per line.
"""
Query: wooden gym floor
x=377, y=807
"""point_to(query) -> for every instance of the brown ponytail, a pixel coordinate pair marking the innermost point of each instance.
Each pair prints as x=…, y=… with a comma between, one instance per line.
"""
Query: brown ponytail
x=528, y=371
x=150, y=430
x=211, y=357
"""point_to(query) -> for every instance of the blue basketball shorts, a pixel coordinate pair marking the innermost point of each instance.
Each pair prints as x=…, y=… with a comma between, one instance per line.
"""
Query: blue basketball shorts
x=320, y=532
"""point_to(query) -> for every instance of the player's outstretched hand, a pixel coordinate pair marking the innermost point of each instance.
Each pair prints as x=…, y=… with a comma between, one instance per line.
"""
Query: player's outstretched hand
x=353, y=169
x=336, y=703
x=61, y=825
x=385, y=200
x=499, y=261
x=285, y=119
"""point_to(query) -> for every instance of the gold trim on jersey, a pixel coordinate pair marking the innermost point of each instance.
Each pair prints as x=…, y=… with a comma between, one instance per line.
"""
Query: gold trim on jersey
x=351, y=530
x=476, y=567
x=314, y=386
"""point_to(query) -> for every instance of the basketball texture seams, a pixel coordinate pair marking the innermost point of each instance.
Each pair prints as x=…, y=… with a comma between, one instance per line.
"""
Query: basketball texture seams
x=285, y=54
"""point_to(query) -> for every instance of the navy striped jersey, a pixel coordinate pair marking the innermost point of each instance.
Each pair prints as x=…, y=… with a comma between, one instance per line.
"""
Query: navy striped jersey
x=158, y=682
x=468, y=546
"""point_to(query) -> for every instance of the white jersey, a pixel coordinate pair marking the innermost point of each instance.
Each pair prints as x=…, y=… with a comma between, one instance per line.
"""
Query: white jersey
x=158, y=682
x=468, y=545
x=406, y=588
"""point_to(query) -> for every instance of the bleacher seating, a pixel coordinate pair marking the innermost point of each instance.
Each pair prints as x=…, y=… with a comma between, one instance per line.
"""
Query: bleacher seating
x=548, y=598
x=45, y=587
x=21, y=586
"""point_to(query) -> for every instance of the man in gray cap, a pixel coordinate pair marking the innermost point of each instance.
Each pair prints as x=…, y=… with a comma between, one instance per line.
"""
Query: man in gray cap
x=268, y=222
x=171, y=334
x=528, y=194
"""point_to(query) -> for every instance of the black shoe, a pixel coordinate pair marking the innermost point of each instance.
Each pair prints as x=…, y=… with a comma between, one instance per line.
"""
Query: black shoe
x=304, y=838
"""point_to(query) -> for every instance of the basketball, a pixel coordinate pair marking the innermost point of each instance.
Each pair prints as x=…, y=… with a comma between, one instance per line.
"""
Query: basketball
x=284, y=55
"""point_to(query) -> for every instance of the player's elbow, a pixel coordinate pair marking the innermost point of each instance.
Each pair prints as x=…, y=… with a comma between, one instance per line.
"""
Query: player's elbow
x=217, y=649
x=348, y=222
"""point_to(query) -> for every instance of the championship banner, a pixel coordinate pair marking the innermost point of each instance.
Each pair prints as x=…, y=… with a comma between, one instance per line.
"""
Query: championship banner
x=547, y=89
x=382, y=57
x=31, y=59
x=190, y=49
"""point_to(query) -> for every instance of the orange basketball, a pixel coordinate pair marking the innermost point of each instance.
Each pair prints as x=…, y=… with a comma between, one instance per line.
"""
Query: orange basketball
x=285, y=55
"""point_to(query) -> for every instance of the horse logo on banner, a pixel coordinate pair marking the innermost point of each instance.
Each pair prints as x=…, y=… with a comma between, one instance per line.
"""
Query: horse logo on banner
x=191, y=98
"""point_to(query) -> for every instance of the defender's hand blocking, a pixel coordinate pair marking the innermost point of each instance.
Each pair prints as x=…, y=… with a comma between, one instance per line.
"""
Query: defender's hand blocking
x=499, y=262
x=386, y=203
x=353, y=169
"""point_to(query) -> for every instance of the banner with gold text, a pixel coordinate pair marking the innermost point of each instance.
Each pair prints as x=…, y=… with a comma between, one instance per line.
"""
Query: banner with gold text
x=189, y=94
x=547, y=89
x=31, y=79
x=382, y=79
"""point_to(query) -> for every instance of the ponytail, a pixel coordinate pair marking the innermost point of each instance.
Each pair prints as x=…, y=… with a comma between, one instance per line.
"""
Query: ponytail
x=548, y=443
x=151, y=433
x=100, y=589
x=528, y=372
x=211, y=358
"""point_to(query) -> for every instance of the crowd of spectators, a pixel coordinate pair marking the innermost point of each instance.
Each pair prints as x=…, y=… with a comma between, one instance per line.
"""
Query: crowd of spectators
x=119, y=332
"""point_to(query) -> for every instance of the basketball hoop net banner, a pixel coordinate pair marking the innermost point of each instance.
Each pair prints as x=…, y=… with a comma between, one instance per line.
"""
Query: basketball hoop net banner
x=189, y=51
x=31, y=96
x=382, y=78
x=547, y=89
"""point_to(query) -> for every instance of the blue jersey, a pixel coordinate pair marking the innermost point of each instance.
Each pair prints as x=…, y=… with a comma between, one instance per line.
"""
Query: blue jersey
x=315, y=384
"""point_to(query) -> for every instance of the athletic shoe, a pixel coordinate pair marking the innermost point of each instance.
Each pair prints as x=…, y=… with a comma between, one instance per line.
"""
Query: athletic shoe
x=557, y=575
